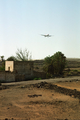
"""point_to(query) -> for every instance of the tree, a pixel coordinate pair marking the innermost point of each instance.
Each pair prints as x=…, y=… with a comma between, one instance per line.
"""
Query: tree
x=48, y=66
x=2, y=58
x=59, y=62
x=2, y=67
x=55, y=64
x=11, y=58
x=23, y=55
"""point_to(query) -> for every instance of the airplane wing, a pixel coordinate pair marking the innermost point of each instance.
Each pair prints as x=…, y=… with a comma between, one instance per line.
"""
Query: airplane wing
x=50, y=35
x=43, y=35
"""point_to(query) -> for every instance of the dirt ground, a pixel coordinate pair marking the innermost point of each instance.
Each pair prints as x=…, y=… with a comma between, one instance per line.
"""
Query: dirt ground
x=70, y=84
x=40, y=101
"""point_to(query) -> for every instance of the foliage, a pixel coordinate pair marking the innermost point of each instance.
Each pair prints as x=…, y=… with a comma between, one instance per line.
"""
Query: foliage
x=11, y=58
x=59, y=62
x=75, y=70
x=54, y=64
x=23, y=55
x=2, y=68
x=37, y=78
x=2, y=58
x=48, y=66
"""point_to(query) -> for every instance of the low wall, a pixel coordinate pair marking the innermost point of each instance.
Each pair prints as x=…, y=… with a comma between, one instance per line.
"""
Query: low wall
x=39, y=74
x=23, y=77
x=2, y=75
x=19, y=77
x=7, y=76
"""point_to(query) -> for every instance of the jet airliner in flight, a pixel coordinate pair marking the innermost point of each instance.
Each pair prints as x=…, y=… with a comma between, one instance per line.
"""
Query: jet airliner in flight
x=47, y=35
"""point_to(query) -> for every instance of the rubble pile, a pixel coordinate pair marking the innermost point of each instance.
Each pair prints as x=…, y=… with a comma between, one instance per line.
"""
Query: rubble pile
x=59, y=89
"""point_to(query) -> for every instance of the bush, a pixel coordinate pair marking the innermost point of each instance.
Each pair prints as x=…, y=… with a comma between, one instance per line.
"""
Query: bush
x=55, y=64
x=2, y=68
x=37, y=78
x=11, y=58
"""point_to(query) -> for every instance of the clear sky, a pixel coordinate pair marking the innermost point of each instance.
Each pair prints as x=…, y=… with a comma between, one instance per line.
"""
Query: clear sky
x=22, y=22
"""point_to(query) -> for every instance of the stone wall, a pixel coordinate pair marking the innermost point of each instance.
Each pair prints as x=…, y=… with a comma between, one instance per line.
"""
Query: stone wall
x=19, y=77
x=7, y=76
x=20, y=71
x=1, y=63
x=2, y=75
x=38, y=65
x=39, y=74
x=23, y=70
x=23, y=67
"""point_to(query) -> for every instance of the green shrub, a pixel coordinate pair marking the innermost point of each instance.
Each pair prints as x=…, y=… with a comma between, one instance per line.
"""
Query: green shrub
x=37, y=79
x=54, y=64
x=75, y=70
x=2, y=68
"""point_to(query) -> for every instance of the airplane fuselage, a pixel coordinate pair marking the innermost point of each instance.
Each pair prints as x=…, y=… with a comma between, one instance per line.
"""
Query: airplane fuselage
x=47, y=35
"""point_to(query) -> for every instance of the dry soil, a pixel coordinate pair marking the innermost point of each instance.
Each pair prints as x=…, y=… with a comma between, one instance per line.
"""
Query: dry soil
x=40, y=101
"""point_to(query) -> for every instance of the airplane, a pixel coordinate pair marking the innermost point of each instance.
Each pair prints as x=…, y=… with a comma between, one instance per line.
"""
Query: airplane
x=47, y=35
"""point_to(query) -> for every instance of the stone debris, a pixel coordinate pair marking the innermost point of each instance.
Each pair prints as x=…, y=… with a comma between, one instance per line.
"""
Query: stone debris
x=59, y=89
x=34, y=95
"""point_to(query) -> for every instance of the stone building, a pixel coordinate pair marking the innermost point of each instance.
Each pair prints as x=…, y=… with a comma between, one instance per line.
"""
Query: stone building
x=22, y=69
x=17, y=71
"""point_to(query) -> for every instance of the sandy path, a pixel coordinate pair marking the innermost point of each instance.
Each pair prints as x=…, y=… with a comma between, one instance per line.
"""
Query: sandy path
x=44, y=80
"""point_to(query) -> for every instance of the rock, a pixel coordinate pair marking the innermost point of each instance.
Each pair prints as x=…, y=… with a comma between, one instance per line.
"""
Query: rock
x=34, y=95
x=6, y=118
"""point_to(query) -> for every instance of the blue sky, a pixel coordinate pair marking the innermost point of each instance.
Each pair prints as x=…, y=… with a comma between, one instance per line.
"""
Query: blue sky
x=22, y=22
